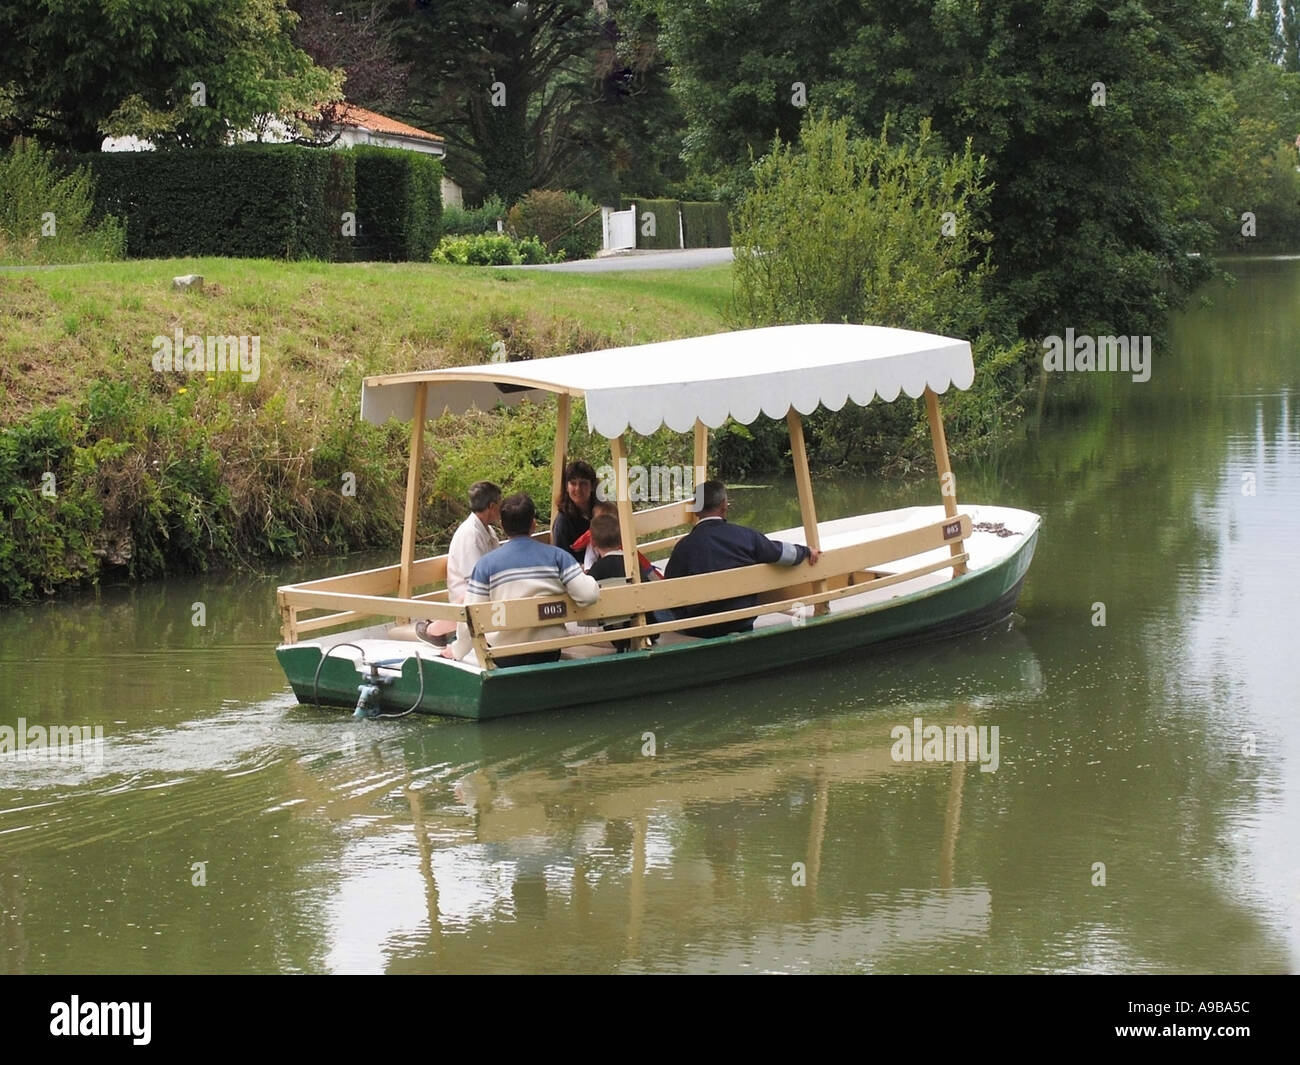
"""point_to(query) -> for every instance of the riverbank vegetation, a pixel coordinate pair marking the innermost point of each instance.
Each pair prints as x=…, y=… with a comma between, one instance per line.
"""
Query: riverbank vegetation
x=110, y=468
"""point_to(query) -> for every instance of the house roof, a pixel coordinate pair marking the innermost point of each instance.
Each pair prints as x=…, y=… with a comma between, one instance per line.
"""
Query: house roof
x=360, y=118
x=674, y=382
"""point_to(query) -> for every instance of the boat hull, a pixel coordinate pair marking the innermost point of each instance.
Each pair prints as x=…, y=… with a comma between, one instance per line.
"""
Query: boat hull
x=962, y=604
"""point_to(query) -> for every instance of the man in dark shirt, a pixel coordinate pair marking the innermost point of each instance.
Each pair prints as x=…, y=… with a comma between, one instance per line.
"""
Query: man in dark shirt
x=715, y=544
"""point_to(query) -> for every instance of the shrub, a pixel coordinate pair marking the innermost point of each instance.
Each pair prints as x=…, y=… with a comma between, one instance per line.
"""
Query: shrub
x=666, y=234
x=841, y=229
x=490, y=249
x=462, y=222
x=399, y=204
x=45, y=214
x=44, y=541
x=533, y=251
x=565, y=222
x=513, y=447
x=253, y=201
x=201, y=480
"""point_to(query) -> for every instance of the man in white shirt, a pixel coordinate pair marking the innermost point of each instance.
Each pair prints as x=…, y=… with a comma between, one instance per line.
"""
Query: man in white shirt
x=474, y=539
x=522, y=568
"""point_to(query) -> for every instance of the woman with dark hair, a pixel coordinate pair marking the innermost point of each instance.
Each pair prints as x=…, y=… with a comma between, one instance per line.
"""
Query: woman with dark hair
x=573, y=508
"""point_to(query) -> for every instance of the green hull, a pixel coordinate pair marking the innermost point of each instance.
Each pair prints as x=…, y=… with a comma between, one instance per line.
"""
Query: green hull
x=959, y=605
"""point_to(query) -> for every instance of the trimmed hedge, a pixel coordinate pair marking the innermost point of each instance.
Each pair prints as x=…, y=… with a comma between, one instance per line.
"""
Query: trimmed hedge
x=272, y=201
x=399, y=204
x=341, y=199
x=665, y=212
x=251, y=201
x=705, y=224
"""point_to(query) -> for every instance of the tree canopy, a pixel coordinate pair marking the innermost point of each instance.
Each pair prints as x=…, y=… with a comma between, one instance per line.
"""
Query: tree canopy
x=1083, y=111
x=186, y=72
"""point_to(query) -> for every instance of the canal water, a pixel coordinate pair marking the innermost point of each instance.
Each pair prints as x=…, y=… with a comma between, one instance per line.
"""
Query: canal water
x=1143, y=814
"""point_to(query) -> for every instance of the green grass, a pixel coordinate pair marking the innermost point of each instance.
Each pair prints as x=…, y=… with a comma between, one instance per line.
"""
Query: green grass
x=160, y=473
x=327, y=324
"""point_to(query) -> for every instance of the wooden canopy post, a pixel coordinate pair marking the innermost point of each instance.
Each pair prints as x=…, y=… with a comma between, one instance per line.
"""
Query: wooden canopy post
x=701, y=459
x=412, y=494
x=947, y=483
x=626, y=528
x=803, y=482
x=558, y=487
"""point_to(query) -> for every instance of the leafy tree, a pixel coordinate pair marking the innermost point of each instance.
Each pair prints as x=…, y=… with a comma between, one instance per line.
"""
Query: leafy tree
x=358, y=37
x=1084, y=113
x=630, y=132
x=844, y=229
x=736, y=68
x=547, y=94
x=1287, y=34
x=503, y=83
x=72, y=70
x=1250, y=191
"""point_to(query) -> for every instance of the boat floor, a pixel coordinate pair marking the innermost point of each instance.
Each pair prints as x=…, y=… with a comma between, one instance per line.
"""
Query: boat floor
x=996, y=533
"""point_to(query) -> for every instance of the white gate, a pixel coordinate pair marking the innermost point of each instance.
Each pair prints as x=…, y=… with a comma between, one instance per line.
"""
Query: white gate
x=620, y=228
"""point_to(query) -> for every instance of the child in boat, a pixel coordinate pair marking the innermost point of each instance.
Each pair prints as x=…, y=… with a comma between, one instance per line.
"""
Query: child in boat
x=607, y=508
x=607, y=539
x=601, y=508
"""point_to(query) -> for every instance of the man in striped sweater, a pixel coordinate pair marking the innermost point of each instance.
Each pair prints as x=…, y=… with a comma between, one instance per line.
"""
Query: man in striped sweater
x=519, y=568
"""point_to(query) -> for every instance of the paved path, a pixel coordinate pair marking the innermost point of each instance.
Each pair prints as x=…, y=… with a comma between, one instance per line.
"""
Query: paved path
x=689, y=259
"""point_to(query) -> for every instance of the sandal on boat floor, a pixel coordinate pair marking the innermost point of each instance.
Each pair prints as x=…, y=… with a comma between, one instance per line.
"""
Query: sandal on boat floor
x=422, y=632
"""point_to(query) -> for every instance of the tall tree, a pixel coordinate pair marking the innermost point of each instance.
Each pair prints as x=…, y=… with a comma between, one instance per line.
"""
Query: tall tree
x=503, y=83
x=630, y=131
x=178, y=71
x=1083, y=110
x=359, y=38
x=1289, y=32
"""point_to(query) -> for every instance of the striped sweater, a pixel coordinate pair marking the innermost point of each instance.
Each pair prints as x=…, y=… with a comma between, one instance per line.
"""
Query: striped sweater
x=519, y=568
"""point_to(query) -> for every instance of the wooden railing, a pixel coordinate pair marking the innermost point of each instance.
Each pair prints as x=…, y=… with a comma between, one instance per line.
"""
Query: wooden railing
x=371, y=594
x=847, y=571
x=843, y=571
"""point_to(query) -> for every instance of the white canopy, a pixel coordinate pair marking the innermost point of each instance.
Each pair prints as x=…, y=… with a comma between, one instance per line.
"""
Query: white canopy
x=674, y=382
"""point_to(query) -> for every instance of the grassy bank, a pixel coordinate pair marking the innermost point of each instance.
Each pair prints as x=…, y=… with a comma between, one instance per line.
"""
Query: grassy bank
x=108, y=467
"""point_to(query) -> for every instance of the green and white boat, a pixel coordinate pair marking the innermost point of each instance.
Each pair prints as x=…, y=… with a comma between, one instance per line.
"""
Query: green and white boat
x=914, y=573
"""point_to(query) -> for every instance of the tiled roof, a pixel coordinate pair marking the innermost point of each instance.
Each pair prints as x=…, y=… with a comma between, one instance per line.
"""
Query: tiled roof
x=352, y=115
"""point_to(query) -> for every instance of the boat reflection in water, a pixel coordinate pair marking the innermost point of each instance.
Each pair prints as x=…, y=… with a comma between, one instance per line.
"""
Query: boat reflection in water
x=737, y=845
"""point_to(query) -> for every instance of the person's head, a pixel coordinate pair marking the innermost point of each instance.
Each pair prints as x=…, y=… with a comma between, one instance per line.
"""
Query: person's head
x=605, y=534
x=579, y=489
x=606, y=507
x=518, y=514
x=485, y=500
x=713, y=498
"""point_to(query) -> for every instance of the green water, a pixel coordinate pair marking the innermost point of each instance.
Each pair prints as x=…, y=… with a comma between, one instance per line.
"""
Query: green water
x=554, y=843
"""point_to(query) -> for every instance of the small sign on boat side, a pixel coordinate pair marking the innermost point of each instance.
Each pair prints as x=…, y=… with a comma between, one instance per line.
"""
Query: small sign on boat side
x=551, y=611
x=952, y=530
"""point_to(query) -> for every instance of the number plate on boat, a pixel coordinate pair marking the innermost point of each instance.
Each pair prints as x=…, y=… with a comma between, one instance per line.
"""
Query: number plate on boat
x=550, y=611
x=952, y=530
